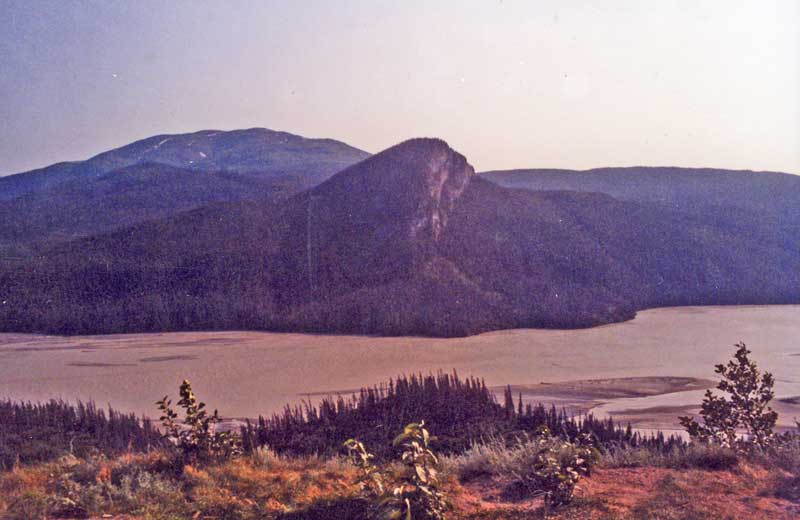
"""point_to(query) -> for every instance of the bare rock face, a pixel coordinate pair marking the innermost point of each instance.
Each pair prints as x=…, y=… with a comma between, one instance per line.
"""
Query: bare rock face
x=446, y=176
x=410, y=187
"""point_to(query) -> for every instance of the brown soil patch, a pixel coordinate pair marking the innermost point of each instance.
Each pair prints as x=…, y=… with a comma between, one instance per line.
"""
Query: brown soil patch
x=643, y=494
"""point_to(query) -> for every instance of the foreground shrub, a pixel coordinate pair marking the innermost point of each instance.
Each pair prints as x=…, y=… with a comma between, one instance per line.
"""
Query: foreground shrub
x=419, y=489
x=783, y=457
x=371, y=479
x=749, y=393
x=147, y=487
x=481, y=459
x=416, y=493
x=74, y=488
x=196, y=436
x=30, y=505
x=549, y=466
x=141, y=492
x=542, y=465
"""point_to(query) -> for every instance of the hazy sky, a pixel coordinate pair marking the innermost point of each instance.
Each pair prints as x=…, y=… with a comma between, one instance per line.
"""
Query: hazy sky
x=507, y=83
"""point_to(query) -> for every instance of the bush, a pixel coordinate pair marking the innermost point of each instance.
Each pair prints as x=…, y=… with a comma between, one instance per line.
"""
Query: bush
x=746, y=408
x=419, y=489
x=371, y=478
x=197, y=437
x=783, y=457
x=551, y=467
x=417, y=493
x=543, y=465
x=73, y=488
x=481, y=459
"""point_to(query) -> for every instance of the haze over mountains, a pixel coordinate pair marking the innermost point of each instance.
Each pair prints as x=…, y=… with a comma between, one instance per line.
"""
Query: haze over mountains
x=252, y=229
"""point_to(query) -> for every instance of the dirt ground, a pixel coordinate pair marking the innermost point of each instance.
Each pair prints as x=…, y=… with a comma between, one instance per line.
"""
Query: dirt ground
x=745, y=493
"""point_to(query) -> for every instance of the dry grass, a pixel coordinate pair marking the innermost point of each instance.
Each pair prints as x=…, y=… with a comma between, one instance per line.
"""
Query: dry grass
x=266, y=486
x=637, y=483
x=699, y=456
x=152, y=487
x=644, y=494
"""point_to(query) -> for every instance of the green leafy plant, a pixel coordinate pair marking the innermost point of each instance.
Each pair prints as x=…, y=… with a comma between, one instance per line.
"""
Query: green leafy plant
x=550, y=467
x=746, y=407
x=371, y=480
x=416, y=494
x=196, y=436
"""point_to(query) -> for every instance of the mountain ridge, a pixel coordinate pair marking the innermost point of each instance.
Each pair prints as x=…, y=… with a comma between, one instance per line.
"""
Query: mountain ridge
x=659, y=183
x=176, y=172
x=407, y=242
x=193, y=150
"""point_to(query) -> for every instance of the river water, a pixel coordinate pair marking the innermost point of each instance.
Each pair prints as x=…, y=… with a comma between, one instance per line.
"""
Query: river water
x=249, y=373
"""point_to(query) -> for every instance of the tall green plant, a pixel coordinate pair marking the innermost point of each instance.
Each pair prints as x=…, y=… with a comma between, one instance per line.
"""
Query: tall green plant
x=371, y=479
x=419, y=490
x=196, y=436
x=746, y=407
x=416, y=494
x=550, y=467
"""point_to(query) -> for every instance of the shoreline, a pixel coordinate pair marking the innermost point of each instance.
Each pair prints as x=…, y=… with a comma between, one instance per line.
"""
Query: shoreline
x=690, y=309
x=244, y=374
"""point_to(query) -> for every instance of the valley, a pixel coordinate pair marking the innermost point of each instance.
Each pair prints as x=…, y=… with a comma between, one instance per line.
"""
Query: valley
x=657, y=364
x=384, y=260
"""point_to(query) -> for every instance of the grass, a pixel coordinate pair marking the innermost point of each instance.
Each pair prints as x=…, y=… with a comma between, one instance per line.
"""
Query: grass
x=152, y=487
x=266, y=486
x=514, y=475
x=785, y=458
x=694, y=481
x=700, y=456
x=496, y=457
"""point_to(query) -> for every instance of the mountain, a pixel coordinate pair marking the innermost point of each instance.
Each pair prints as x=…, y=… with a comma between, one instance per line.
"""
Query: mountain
x=712, y=193
x=408, y=241
x=682, y=188
x=119, y=199
x=257, y=151
x=160, y=177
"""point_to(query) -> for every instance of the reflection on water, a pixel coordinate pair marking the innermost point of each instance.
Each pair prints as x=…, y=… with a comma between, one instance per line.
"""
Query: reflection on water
x=249, y=373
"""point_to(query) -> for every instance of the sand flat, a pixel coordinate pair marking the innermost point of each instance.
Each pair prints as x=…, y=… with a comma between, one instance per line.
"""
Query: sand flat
x=615, y=387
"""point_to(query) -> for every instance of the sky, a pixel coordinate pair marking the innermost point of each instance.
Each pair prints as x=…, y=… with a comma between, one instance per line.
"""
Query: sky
x=510, y=84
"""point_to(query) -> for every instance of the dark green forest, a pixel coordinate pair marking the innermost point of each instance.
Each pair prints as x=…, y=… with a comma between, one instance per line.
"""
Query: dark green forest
x=37, y=432
x=460, y=412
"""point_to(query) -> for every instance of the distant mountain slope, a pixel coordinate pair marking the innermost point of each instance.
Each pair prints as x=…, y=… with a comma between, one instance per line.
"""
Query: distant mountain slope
x=680, y=188
x=566, y=259
x=256, y=151
x=122, y=198
x=770, y=199
x=160, y=177
x=652, y=182
x=408, y=241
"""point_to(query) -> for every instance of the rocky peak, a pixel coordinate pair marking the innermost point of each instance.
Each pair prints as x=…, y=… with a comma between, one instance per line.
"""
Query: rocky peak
x=411, y=187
